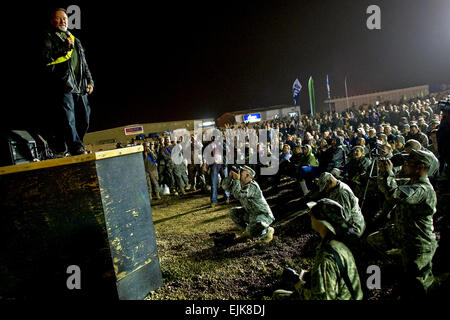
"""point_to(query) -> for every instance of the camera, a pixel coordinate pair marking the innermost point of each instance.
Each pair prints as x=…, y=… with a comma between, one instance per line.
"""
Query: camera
x=444, y=105
x=398, y=159
x=375, y=152
x=235, y=169
x=290, y=276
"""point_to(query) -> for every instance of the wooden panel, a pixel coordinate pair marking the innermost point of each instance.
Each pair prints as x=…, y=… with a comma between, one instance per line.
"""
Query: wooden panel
x=129, y=223
x=95, y=214
x=50, y=219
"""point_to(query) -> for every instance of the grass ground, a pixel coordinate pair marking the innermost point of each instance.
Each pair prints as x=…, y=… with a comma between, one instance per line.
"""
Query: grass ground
x=194, y=268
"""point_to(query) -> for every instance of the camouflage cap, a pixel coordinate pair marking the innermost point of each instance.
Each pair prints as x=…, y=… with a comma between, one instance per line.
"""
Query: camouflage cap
x=421, y=156
x=400, y=139
x=250, y=171
x=358, y=147
x=323, y=179
x=436, y=121
x=413, y=124
x=406, y=126
x=328, y=212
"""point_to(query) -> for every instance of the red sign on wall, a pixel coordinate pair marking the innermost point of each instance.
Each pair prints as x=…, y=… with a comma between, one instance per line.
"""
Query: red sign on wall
x=134, y=130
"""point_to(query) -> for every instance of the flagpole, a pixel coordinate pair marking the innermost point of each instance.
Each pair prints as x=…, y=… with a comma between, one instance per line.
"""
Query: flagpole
x=346, y=93
x=329, y=98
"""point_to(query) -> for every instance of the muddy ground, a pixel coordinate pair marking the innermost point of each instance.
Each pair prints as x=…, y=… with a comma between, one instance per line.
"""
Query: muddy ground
x=194, y=268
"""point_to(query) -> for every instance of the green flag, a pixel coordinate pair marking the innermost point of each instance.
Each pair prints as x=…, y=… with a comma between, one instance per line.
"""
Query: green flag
x=312, y=100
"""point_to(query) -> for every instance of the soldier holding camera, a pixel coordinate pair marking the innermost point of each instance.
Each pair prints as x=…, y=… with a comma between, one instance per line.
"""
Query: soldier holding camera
x=412, y=229
x=255, y=215
x=443, y=137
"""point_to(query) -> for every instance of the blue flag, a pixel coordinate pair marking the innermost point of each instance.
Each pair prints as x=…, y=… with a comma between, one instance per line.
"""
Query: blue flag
x=328, y=88
x=296, y=87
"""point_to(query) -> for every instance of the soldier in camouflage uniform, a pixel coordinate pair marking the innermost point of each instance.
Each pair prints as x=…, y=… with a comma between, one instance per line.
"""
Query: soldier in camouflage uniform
x=433, y=170
x=340, y=192
x=166, y=163
x=412, y=231
x=416, y=134
x=255, y=215
x=151, y=169
x=334, y=275
x=357, y=170
x=180, y=171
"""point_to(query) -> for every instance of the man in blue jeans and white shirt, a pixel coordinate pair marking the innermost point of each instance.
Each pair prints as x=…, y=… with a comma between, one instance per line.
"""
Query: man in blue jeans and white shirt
x=218, y=167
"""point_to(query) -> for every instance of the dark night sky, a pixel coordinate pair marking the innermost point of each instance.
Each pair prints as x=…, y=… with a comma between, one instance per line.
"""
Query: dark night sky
x=199, y=59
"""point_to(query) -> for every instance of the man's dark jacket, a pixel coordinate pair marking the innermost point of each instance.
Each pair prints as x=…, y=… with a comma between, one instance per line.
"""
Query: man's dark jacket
x=61, y=76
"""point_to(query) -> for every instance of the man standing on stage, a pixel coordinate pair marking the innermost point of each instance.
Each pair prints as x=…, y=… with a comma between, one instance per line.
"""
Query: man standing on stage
x=69, y=82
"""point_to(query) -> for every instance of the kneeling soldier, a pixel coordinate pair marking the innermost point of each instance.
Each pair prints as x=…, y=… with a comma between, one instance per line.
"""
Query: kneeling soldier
x=255, y=215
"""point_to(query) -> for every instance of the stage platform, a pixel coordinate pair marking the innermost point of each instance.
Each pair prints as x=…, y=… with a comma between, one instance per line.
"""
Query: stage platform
x=92, y=211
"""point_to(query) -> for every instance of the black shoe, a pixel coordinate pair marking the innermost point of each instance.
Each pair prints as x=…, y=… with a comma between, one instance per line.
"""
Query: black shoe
x=58, y=155
x=79, y=151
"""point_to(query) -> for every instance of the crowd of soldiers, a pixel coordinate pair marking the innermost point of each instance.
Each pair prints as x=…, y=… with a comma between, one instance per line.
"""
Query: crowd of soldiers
x=369, y=176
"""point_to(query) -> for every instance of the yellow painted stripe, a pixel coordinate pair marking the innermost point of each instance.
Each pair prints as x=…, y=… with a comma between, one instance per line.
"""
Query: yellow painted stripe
x=122, y=275
x=70, y=160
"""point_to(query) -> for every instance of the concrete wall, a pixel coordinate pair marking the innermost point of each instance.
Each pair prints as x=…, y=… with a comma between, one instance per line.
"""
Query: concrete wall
x=114, y=135
x=383, y=96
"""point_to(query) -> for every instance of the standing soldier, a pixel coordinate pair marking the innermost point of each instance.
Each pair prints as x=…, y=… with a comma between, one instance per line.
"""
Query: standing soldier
x=255, y=215
x=194, y=168
x=412, y=231
x=443, y=138
x=180, y=170
x=151, y=169
x=165, y=152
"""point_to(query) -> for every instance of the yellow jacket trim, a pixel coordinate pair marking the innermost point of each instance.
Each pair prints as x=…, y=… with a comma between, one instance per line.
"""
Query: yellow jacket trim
x=63, y=58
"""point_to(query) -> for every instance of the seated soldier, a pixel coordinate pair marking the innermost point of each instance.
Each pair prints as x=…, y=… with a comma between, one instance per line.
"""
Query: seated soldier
x=362, y=142
x=334, y=275
x=357, y=170
x=295, y=161
x=399, y=144
x=307, y=166
x=334, y=189
x=308, y=158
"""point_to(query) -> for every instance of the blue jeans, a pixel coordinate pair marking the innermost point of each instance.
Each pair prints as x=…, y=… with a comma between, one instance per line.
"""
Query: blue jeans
x=217, y=169
x=309, y=173
x=73, y=121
